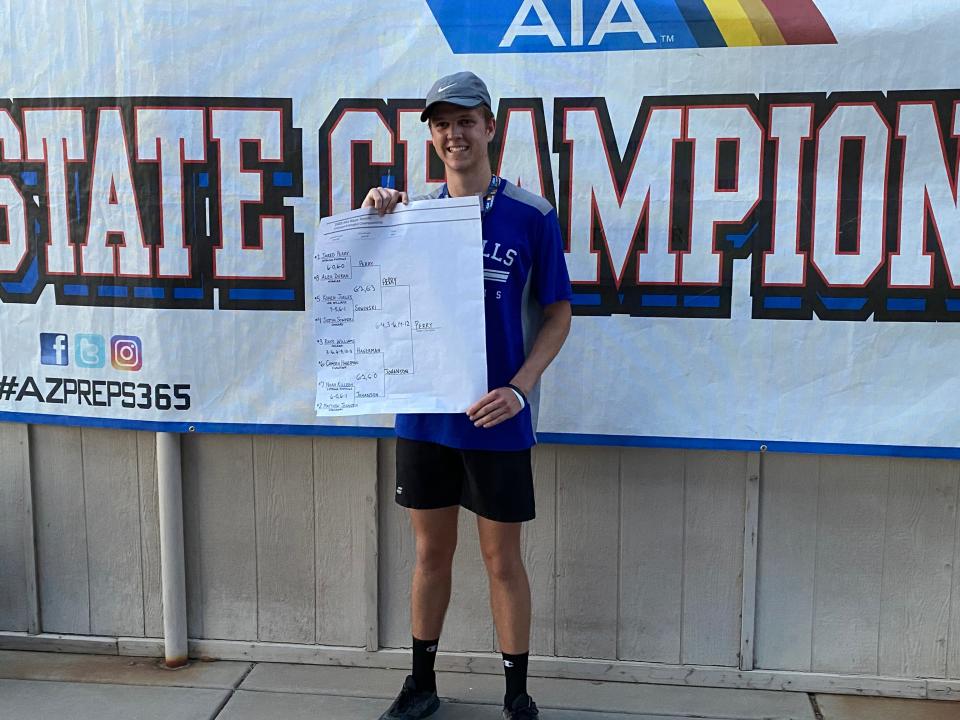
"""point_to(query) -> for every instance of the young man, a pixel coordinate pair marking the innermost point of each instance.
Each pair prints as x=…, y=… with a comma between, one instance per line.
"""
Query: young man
x=481, y=459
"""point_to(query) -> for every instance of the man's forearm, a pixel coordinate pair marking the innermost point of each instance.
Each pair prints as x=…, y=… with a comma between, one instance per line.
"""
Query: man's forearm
x=546, y=345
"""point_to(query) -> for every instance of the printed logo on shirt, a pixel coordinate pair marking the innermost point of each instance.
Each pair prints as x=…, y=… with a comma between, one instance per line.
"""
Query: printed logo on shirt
x=494, y=252
x=497, y=253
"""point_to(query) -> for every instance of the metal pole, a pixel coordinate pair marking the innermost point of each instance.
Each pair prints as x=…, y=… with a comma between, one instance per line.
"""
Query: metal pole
x=172, y=574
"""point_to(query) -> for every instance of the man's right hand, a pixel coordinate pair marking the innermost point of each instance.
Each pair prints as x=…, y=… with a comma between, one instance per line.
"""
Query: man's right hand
x=384, y=200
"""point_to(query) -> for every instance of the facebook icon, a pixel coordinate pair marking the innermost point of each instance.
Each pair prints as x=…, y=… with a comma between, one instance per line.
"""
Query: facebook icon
x=53, y=349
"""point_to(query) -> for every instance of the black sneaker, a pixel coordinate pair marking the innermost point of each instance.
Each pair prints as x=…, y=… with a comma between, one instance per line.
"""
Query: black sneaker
x=413, y=704
x=522, y=708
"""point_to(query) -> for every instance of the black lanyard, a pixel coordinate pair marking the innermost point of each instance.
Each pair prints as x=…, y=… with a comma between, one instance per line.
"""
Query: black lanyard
x=486, y=204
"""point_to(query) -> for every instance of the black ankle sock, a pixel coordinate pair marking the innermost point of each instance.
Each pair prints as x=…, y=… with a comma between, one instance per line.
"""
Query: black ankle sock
x=424, y=655
x=515, y=669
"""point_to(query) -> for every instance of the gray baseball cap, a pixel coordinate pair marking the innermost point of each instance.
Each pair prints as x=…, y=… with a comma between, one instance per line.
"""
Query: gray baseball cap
x=462, y=88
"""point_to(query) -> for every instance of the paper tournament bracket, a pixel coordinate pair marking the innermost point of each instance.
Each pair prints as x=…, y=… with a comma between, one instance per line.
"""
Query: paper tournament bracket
x=398, y=310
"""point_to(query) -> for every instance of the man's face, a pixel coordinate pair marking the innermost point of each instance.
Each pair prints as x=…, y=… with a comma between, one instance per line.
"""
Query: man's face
x=460, y=137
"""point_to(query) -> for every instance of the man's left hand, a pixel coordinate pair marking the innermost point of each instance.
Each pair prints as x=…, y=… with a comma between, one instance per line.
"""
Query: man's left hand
x=494, y=407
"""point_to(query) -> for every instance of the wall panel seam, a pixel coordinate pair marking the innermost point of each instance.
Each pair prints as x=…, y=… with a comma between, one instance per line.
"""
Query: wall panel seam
x=616, y=648
x=143, y=565
x=556, y=544
x=371, y=552
x=30, y=539
x=953, y=574
x=751, y=531
x=200, y=565
x=256, y=543
x=683, y=548
x=86, y=534
x=883, y=563
x=816, y=559
x=314, y=449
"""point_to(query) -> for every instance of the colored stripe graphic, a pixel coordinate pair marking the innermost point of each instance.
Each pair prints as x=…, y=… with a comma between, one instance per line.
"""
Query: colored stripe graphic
x=800, y=22
x=701, y=23
x=733, y=22
x=763, y=22
x=750, y=23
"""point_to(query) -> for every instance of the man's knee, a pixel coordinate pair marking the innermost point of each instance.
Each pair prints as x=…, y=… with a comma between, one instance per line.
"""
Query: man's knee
x=504, y=565
x=435, y=535
x=435, y=556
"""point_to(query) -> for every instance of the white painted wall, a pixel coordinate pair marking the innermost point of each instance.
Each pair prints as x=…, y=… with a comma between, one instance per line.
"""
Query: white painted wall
x=636, y=554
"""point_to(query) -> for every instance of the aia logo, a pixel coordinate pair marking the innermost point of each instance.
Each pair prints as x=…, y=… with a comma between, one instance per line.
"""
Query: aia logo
x=532, y=26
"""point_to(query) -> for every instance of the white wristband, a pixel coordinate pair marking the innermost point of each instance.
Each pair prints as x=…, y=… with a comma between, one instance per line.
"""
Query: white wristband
x=523, y=403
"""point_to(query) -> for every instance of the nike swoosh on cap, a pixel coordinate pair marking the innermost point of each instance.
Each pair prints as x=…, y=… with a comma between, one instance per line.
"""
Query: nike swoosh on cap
x=444, y=89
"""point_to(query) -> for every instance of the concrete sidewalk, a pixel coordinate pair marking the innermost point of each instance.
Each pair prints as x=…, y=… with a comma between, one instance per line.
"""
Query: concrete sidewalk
x=55, y=686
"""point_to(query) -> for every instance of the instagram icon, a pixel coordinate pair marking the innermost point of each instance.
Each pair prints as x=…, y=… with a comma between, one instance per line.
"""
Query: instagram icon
x=126, y=352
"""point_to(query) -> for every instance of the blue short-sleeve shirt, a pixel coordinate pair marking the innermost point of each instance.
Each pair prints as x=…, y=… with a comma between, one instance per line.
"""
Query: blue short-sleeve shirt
x=523, y=270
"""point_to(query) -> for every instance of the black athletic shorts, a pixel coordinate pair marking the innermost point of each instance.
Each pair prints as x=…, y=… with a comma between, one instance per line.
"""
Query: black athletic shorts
x=495, y=484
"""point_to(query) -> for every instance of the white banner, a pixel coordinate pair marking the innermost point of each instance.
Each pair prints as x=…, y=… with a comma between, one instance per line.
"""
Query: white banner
x=759, y=201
